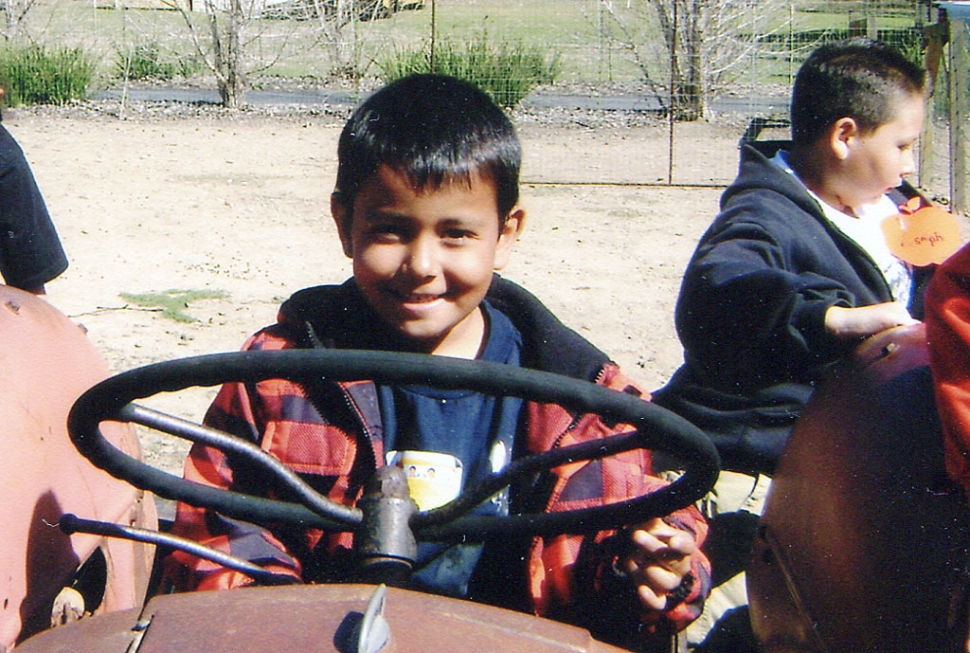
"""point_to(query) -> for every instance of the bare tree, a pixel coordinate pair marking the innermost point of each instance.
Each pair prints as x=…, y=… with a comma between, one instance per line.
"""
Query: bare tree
x=228, y=48
x=338, y=23
x=15, y=12
x=222, y=49
x=696, y=47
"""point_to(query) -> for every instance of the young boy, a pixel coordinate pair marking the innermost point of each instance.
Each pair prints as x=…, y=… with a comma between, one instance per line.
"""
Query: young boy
x=795, y=270
x=426, y=206
x=794, y=273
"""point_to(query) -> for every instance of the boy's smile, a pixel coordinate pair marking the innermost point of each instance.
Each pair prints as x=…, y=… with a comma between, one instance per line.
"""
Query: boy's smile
x=423, y=258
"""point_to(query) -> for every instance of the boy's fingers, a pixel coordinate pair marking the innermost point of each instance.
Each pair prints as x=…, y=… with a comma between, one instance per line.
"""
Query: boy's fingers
x=659, y=561
x=654, y=585
x=651, y=599
x=660, y=580
x=663, y=545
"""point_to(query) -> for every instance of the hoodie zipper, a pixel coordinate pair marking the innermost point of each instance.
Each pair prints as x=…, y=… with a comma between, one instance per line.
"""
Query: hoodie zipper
x=365, y=445
x=554, y=495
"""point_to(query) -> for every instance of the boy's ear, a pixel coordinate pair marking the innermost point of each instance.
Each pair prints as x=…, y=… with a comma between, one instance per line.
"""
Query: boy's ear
x=509, y=233
x=342, y=218
x=842, y=135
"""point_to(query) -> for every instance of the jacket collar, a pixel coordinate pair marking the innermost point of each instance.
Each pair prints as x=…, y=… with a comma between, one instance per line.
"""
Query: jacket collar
x=337, y=317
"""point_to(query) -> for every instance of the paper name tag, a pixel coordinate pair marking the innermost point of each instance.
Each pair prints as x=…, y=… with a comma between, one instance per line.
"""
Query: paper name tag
x=922, y=235
x=434, y=479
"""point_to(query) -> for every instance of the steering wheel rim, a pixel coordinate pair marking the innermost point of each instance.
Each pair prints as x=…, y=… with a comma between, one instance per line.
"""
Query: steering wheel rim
x=656, y=428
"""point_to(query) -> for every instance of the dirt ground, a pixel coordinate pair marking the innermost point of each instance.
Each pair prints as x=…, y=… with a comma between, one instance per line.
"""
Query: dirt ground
x=240, y=206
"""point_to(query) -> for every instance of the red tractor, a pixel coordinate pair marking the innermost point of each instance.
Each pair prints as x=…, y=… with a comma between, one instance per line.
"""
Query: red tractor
x=354, y=617
x=863, y=545
x=47, y=362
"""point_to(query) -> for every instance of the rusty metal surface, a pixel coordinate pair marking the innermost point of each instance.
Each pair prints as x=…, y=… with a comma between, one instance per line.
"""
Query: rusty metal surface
x=111, y=631
x=862, y=536
x=311, y=619
x=46, y=362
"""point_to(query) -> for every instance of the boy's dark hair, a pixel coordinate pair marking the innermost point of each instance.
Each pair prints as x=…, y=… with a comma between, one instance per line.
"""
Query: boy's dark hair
x=857, y=78
x=434, y=129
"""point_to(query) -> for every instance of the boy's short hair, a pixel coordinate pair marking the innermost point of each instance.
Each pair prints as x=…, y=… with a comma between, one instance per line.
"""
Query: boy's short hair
x=435, y=130
x=857, y=78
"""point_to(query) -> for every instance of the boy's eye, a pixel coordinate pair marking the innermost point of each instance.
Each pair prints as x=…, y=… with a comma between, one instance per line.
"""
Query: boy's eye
x=387, y=231
x=456, y=234
x=456, y=230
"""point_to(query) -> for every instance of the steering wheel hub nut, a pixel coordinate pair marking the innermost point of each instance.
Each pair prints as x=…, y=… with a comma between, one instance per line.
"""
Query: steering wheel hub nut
x=384, y=542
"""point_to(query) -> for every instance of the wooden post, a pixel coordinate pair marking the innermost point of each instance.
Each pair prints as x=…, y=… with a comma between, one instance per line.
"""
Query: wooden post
x=959, y=115
x=867, y=25
x=935, y=36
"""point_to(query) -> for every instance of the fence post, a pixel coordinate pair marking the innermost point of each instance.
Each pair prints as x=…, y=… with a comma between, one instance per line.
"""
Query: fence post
x=935, y=37
x=959, y=62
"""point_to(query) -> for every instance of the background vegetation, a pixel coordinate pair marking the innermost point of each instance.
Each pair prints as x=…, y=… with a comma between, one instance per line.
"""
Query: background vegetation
x=34, y=75
x=569, y=41
x=508, y=71
x=677, y=60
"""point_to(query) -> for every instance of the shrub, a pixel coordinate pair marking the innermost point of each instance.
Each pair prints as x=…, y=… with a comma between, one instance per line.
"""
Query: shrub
x=189, y=66
x=507, y=71
x=142, y=62
x=34, y=75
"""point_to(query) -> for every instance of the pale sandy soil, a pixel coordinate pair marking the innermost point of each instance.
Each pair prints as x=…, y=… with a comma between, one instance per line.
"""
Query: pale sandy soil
x=240, y=206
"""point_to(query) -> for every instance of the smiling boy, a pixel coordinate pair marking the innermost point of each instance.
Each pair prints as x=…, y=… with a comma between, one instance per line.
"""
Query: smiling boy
x=426, y=205
x=424, y=260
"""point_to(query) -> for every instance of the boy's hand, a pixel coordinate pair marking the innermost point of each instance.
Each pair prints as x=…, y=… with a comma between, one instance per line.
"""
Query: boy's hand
x=845, y=323
x=889, y=353
x=659, y=562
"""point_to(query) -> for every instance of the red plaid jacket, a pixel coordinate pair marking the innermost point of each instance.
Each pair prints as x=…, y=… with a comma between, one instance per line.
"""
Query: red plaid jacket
x=331, y=435
x=948, y=335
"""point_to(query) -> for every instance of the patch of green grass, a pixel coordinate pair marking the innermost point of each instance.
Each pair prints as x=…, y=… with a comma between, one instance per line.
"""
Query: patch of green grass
x=624, y=212
x=172, y=303
x=100, y=32
x=568, y=27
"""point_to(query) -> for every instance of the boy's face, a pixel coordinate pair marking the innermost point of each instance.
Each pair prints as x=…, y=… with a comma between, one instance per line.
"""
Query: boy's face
x=875, y=162
x=423, y=259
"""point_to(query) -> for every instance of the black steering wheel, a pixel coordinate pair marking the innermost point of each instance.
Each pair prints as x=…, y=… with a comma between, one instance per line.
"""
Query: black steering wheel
x=655, y=428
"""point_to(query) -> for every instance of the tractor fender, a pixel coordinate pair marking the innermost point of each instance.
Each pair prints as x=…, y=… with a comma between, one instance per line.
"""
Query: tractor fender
x=862, y=545
x=46, y=362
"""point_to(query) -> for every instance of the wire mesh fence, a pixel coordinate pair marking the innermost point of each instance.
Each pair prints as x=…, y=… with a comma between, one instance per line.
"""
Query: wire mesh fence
x=615, y=70
x=722, y=63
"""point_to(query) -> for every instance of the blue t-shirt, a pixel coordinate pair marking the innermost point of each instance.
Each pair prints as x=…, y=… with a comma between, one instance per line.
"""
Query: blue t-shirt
x=476, y=429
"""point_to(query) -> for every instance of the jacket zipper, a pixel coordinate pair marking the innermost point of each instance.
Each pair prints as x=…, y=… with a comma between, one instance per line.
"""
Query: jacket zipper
x=571, y=427
x=364, y=444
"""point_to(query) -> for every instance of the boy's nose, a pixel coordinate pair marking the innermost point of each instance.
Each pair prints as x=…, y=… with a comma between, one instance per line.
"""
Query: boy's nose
x=422, y=260
x=909, y=163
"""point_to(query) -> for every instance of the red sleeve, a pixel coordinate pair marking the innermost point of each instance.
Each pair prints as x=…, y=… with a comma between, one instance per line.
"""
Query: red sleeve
x=572, y=577
x=232, y=411
x=948, y=332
